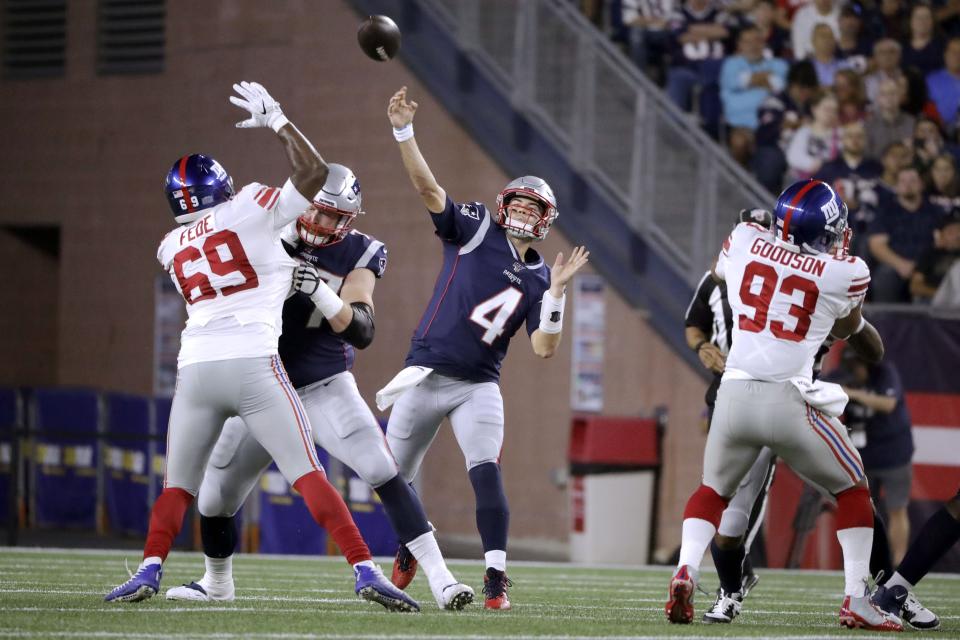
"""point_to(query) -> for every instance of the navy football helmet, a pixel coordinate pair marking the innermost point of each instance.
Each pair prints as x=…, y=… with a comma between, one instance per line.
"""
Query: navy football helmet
x=194, y=183
x=810, y=215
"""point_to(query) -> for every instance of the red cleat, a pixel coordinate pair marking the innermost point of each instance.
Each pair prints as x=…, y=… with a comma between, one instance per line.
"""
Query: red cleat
x=860, y=613
x=680, y=605
x=404, y=567
x=495, y=585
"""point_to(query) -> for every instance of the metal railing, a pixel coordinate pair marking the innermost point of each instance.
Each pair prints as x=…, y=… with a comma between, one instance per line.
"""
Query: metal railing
x=670, y=181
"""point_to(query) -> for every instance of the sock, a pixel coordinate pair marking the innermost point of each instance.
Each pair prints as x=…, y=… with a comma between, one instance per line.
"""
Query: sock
x=695, y=539
x=729, y=563
x=219, y=536
x=855, y=533
x=219, y=572
x=880, y=559
x=328, y=509
x=496, y=559
x=151, y=560
x=898, y=580
x=404, y=509
x=166, y=518
x=936, y=537
x=493, y=514
x=425, y=549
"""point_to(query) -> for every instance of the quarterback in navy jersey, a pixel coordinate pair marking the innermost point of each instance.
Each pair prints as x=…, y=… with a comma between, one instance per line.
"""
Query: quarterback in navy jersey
x=491, y=284
x=329, y=314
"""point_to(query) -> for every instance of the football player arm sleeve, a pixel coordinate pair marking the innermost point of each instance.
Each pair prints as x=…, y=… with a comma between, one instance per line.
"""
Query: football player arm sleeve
x=355, y=323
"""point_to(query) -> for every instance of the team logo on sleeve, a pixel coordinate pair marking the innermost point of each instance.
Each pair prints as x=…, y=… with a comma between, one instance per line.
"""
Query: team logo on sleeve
x=470, y=211
x=381, y=266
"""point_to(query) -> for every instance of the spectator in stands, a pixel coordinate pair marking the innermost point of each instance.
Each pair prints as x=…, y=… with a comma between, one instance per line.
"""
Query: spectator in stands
x=647, y=35
x=785, y=10
x=886, y=66
x=887, y=123
x=948, y=17
x=745, y=80
x=880, y=424
x=854, y=177
x=815, y=143
x=817, y=12
x=927, y=143
x=776, y=40
x=900, y=233
x=824, y=55
x=923, y=49
x=896, y=156
x=851, y=96
x=944, y=85
x=893, y=17
x=943, y=183
x=934, y=263
x=915, y=98
x=698, y=34
x=779, y=118
x=853, y=45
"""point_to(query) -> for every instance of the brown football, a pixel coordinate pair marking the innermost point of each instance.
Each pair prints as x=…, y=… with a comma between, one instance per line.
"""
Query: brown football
x=379, y=37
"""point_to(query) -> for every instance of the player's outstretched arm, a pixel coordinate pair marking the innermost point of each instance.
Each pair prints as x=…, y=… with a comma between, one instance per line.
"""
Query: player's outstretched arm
x=546, y=338
x=351, y=313
x=862, y=336
x=309, y=169
x=400, y=112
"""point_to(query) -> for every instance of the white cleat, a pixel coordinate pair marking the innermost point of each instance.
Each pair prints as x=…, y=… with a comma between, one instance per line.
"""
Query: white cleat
x=917, y=615
x=454, y=597
x=725, y=609
x=195, y=592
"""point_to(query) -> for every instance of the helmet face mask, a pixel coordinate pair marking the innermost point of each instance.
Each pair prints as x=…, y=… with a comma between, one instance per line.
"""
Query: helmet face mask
x=195, y=183
x=530, y=218
x=339, y=199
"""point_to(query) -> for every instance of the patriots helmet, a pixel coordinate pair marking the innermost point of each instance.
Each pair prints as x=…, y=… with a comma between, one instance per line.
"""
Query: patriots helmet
x=536, y=189
x=194, y=183
x=810, y=215
x=339, y=200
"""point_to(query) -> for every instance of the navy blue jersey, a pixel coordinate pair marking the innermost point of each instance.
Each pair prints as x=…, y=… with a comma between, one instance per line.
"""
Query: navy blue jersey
x=309, y=348
x=484, y=293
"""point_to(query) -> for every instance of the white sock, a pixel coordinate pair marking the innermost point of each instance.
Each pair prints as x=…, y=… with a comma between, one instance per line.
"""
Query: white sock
x=218, y=570
x=496, y=559
x=856, y=543
x=365, y=563
x=425, y=549
x=696, y=537
x=151, y=560
x=897, y=579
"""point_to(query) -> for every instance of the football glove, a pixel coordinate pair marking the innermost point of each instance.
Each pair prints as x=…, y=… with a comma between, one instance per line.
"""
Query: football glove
x=306, y=279
x=264, y=110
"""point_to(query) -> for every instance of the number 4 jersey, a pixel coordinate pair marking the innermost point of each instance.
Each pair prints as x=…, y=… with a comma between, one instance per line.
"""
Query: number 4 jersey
x=784, y=303
x=233, y=273
x=484, y=293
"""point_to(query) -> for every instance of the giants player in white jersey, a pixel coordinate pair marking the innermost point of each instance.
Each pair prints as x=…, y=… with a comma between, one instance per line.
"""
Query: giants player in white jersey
x=789, y=289
x=227, y=261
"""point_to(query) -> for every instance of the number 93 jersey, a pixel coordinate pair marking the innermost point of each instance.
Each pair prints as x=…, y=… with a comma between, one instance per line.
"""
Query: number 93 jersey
x=309, y=348
x=233, y=273
x=784, y=303
x=484, y=293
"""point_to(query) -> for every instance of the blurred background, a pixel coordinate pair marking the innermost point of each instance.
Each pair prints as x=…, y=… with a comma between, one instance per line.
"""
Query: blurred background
x=654, y=121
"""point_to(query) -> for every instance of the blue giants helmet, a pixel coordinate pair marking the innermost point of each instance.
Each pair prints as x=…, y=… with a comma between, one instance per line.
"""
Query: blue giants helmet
x=810, y=215
x=194, y=183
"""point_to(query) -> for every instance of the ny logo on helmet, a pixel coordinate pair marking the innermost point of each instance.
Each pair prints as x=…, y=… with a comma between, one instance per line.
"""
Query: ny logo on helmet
x=831, y=210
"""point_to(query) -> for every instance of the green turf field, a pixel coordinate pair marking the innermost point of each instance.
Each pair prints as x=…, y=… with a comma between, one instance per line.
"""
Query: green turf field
x=53, y=593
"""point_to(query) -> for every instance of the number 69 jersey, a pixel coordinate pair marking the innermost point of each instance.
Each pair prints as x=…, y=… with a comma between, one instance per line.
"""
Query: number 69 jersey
x=233, y=274
x=484, y=293
x=784, y=303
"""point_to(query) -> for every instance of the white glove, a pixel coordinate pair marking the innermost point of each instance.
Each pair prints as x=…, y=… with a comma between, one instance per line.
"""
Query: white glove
x=264, y=110
x=307, y=280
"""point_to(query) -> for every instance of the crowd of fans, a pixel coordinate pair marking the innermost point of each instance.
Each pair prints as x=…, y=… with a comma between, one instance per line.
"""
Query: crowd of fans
x=862, y=94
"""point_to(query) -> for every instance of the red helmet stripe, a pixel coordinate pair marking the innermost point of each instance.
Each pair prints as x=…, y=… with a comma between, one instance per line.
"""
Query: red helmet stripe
x=183, y=183
x=793, y=202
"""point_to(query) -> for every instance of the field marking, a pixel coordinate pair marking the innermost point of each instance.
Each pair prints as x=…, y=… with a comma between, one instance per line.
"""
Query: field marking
x=16, y=633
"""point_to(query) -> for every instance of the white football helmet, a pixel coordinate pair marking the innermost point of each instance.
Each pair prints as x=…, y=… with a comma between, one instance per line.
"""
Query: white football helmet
x=339, y=197
x=536, y=189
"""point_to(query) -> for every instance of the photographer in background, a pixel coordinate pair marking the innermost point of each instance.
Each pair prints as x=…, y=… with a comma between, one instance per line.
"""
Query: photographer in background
x=879, y=422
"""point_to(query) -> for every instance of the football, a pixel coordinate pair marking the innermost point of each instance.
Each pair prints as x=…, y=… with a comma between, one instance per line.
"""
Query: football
x=379, y=37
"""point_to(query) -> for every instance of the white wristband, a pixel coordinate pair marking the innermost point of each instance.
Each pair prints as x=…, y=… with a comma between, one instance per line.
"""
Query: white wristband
x=403, y=133
x=328, y=302
x=277, y=122
x=551, y=313
x=863, y=323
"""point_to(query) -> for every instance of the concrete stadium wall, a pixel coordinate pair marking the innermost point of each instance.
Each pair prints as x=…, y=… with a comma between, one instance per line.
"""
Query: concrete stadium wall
x=88, y=154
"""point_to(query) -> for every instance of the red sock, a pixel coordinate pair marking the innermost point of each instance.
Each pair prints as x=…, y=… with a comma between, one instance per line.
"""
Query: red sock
x=165, y=522
x=854, y=508
x=706, y=504
x=328, y=509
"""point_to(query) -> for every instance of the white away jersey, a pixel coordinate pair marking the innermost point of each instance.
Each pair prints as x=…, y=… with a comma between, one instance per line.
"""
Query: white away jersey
x=784, y=303
x=234, y=274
